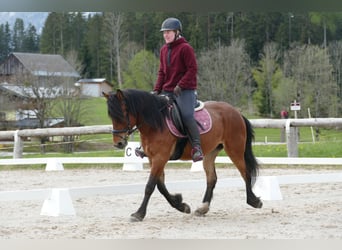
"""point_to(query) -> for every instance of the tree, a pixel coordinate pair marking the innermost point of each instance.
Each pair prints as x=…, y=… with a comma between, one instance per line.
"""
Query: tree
x=327, y=20
x=51, y=34
x=224, y=73
x=5, y=41
x=97, y=61
x=267, y=75
x=113, y=22
x=69, y=103
x=77, y=28
x=39, y=94
x=142, y=71
x=335, y=54
x=31, y=40
x=18, y=35
x=309, y=68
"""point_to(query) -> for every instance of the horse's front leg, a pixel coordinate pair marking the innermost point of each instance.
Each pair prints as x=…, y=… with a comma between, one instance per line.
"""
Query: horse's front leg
x=176, y=200
x=139, y=215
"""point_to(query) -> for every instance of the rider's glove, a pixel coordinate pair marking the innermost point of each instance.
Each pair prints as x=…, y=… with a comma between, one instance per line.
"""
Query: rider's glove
x=177, y=90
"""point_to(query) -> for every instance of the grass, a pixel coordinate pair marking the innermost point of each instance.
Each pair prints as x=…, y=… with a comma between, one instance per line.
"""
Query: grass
x=95, y=112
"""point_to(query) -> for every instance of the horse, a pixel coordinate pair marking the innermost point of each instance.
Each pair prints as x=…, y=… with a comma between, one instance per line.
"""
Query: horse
x=133, y=109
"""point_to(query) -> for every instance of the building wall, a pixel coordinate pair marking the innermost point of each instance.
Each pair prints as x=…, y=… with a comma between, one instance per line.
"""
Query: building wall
x=95, y=89
x=90, y=89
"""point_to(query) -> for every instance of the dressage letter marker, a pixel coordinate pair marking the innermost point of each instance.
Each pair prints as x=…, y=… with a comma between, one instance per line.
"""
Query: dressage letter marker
x=131, y=161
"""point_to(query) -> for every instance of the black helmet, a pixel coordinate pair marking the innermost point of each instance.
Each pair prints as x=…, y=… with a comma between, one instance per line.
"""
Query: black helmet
x=171, y=23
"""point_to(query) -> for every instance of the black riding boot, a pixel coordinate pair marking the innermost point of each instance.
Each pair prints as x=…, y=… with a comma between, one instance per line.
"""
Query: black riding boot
x=139, y=151
x=194, y=137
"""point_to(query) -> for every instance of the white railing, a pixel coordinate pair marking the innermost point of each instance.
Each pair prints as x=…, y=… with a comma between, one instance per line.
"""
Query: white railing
x=56, y=163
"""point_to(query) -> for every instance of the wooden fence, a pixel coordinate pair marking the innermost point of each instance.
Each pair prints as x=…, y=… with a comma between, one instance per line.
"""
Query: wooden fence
x=290, y=126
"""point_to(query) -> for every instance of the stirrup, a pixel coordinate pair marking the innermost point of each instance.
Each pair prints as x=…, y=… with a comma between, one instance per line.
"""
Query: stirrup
x=139, y=153
x=196, y=154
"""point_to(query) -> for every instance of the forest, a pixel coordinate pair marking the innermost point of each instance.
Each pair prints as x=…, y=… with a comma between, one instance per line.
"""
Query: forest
x=259, y=62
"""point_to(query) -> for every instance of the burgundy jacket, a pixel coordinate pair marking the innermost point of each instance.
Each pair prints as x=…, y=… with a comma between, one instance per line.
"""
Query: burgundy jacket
x=181, y=68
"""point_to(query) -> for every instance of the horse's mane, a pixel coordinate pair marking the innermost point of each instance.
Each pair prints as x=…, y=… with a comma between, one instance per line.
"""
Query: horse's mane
x=152, y=109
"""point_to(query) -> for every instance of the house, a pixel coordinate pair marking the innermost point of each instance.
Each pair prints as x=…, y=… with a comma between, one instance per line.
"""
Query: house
x=38, y=65
x=94, y=87
x=27, y=77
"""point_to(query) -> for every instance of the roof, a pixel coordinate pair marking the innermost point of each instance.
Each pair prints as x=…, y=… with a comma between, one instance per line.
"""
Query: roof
x=46, y=64
x=34, y=122
x=94, y=80
x=27, y=92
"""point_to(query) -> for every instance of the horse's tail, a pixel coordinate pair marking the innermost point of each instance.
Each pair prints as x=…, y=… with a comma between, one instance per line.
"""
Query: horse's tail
x=251, y=162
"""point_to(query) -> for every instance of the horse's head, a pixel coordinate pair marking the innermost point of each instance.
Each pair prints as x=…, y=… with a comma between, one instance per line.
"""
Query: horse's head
x=131, y=109
x=123, y=122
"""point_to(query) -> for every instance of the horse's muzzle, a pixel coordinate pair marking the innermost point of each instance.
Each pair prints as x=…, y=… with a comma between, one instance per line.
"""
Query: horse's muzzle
x=120, y=144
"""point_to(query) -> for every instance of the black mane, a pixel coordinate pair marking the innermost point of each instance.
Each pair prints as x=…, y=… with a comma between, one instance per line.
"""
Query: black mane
x=152, y=109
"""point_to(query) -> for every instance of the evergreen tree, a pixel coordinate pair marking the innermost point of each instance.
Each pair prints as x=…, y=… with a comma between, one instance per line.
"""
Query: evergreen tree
x=52, y=39
x=268, y=76
x=18, y=35
x=5, y=41
x=96, y=50
x=31, y=40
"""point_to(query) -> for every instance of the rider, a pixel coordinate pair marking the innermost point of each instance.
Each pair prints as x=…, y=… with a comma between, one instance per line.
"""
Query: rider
x=177, y=78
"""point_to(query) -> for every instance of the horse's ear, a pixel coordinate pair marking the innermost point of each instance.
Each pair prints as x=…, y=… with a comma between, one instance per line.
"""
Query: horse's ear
x=119, y=94
x=105, y=95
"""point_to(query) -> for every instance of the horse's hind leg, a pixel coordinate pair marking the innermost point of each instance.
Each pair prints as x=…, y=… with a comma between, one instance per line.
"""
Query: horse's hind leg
x=241, y=163
x=209, y=168
x=252, y=200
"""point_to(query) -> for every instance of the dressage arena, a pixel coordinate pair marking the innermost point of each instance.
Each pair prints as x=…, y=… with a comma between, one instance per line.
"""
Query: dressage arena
x=306, y=211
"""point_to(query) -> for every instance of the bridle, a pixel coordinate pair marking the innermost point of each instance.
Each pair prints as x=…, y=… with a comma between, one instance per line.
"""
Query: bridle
x=128, y=131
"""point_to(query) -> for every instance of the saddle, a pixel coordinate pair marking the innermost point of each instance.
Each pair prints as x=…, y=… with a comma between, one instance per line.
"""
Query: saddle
x=176, y=126
x=175, y=123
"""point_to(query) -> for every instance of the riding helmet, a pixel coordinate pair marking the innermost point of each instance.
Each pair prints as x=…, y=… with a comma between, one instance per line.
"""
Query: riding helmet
x=171, y=23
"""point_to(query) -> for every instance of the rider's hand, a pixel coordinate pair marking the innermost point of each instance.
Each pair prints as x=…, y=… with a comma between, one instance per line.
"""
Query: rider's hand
x=154, y=92
x=177, y=90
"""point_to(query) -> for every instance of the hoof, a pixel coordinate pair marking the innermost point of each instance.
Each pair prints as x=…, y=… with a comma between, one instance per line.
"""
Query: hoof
x=255, y=203
x=201, y=211
x=259, y=205
x=179, y=205
x=186, y=208
x=136, y=218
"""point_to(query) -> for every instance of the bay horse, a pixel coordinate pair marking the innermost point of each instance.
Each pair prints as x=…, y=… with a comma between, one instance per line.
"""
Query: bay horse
x=132, y=109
